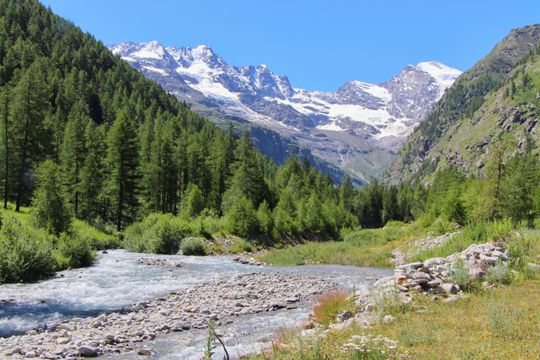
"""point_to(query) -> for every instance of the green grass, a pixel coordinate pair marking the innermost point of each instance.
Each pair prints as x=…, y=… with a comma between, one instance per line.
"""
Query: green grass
x=370, y=247
x=470, y=234
x=29, y=253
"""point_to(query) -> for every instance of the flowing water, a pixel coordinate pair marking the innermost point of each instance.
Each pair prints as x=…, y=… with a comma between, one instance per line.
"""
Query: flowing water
x=117, y=280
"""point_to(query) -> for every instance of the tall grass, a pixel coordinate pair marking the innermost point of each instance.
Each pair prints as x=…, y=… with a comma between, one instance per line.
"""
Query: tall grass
x=471, y=234
x=330, y=305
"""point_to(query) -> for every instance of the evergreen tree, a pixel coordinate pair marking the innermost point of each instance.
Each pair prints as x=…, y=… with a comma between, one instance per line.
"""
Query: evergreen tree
x=29, y=109
x=6, y=139
x=122, y=163
x=391, y=210
x=49, y=208
x=91, y=178
x=264, y=218
x=346, y=193
x=192, y=202
x=73, y=152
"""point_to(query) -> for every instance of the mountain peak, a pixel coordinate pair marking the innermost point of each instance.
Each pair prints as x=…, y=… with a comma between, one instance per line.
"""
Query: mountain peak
x=444, y=75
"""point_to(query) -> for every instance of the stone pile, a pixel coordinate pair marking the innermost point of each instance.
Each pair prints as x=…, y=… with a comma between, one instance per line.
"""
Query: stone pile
x=435, y=275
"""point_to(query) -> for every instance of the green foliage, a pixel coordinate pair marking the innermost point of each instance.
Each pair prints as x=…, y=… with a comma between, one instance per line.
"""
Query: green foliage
x=240, y=246
x=499, y=274
x=460, y=275
x=74, y=251
x=476, y=233
x=264, y=218
x=242, y=218
x=192, y=201
x=26, y=253
x=49, y=209
x=158, y=233
x=519, y=251
x=193, y=246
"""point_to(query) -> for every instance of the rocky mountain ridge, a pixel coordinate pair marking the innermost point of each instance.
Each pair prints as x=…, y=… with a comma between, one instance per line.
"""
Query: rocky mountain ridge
x=357, y=128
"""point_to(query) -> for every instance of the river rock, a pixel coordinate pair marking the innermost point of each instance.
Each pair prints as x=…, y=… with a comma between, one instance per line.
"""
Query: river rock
x=450, y=288
x=342, y=316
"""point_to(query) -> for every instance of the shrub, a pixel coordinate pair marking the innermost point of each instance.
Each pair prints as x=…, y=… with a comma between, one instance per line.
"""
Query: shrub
x=387, y=300
x=26, y=253
x=158, y=233
x=460, y=275
x=499, y=273
x=74, y=251
x=519, y=251
x=96, y=236
x=193, y=246
x=240, y=246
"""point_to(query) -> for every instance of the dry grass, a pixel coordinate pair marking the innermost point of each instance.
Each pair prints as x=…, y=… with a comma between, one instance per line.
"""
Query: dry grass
x=331, y=304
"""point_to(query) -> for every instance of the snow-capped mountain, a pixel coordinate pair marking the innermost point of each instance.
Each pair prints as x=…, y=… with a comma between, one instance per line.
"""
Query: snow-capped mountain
x=357, y=128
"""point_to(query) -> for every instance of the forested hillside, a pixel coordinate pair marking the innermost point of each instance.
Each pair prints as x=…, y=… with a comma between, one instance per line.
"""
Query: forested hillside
x=468, y=120
x=123, y=148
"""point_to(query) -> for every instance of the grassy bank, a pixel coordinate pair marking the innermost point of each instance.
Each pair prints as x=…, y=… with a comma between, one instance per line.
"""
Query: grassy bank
x=365, y=247
x=495, y=323
x=29, y=252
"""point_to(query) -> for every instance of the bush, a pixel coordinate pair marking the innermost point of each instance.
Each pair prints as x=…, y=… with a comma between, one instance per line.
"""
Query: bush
x=97, y=237
x=499, y=273
x=240, y=246
x=460, y=275
x=26, y=253
x=519, y=251
x=74, y=251
x=193, y=247
x=158, y=233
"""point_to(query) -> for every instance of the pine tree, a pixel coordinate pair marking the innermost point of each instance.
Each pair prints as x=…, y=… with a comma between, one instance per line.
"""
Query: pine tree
x=49, y=208
x=391, y=209
x=122, y=163
x=91, y=178
x=6, y=140
x=346, y=193
x=28, y=112
x=73, y=152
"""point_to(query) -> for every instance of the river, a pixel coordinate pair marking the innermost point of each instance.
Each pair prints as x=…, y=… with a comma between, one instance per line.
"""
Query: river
x=118, y=280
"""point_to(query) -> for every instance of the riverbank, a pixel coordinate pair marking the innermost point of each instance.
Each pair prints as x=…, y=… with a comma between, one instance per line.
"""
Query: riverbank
x=490, y=315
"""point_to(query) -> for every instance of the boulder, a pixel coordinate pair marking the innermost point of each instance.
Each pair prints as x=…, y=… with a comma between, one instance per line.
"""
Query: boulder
x=450, y=288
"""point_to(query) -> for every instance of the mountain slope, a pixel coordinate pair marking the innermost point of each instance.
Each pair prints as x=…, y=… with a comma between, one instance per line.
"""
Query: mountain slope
x=475, y=112
x=357, y=128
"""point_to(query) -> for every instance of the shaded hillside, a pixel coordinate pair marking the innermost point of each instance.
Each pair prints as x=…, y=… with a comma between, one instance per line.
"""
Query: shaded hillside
x=471, y=100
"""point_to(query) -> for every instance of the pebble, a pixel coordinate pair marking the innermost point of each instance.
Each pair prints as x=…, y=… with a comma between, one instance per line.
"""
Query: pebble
x=118, y=332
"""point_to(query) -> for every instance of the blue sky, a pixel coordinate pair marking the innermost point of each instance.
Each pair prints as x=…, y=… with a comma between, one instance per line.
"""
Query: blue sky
x=317, y=44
